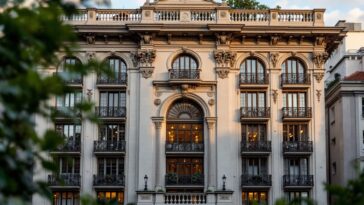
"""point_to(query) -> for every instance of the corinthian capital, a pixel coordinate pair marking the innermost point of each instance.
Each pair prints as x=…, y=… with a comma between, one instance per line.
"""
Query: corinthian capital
x=319, y=58
x=225, y=58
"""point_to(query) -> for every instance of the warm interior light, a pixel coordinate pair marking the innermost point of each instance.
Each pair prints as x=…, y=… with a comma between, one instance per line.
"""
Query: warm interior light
x=301, y=131
x=196, y=139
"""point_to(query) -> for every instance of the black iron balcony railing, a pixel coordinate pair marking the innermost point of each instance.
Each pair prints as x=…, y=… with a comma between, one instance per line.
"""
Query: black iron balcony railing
x=65, y=112
x=109, y=146
x=298, y=180
x=173, y=179
x=295, y=78
x=257, y=146
x=64, y=180
x=69, y=145
x=256, y=180
x=70, y=78
x=180, y=74
x=254, y=78
x=297, y=112
x=111, y=111
x=184, y=147
x=255, y=112
x=297, y=146
x=109, y=180
x=117, y=79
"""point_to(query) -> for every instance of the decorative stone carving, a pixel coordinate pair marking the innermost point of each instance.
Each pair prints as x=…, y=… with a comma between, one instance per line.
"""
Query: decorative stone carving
x=144, y=59
x=146, y=71
x=90, y=38
x=225, y=58
x=318, y=76
x=223, y=72
x=320, y=41
x=211, y=102
x=146, y=39
x=90, y=55
x=318, y=94
x=274, y=40
x=274, y=58
x=157, y=102
x=319, y=58
x=223, y=39
x=275, y=95
x=89, y=94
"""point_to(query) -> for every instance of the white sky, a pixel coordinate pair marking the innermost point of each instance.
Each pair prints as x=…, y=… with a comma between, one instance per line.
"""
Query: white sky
x=349, y=10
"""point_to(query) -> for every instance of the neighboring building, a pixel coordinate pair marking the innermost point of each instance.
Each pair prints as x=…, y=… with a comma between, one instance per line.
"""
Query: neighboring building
x=208, y=105
x=345, y=106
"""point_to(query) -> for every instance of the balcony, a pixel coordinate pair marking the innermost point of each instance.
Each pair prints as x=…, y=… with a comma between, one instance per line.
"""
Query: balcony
x=109, y=147
x=69, y=147
x=184, y=75
x=185, y=148
x=196, y=15
x=111, y=112
x=104, y=181
x=256, y=181
x=185, y=198
x=64, y=180
x=176, y=180
x=295, y=80
x=256, y=148
x=297, y=147
x=254, y=113
x=258, y=80
x=70, y=79
x=119, y=80
x=63, y=113
x=298, y=181
x=296, y=113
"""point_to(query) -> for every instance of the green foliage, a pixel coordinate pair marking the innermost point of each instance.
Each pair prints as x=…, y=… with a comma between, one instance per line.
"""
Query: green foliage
x=248, y=4
x=30, y=37
x=352, y=193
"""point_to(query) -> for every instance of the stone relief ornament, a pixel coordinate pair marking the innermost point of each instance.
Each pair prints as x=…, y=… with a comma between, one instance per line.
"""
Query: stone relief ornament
x=274, y=58
x=319, y=58
x=157, y=102
x=89, y=94
x=274, y=40
x=223, y=39
x=318, y=76
x=318, y=94
x=211, y=102
x=275, y=95
x=144, y=59
x=225, y=58
x=222, y=72
x=90, y=39
x=90, y=55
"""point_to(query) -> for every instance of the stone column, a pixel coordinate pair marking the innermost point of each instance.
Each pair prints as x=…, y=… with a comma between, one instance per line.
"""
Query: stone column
x=158, y=152
x=211, y=152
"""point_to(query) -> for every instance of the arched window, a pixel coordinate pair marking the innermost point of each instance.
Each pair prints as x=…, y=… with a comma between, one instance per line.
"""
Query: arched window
x=252, y=71
x=185, y=135
x=63, y=70
x=184, y=67
x=118, y=72
x=293, y=72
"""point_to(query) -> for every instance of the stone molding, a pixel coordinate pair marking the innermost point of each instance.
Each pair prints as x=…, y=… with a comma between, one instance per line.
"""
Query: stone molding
x=319, y=76
x=224, y=60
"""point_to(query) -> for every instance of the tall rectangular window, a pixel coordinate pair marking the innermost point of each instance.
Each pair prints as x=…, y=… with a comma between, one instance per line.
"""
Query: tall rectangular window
x=253, y=132
x=296, y=166
x=66, y=198
x=255, y=166
x=110, y=166
x=252, y=99
x=295, y=132
x=112, y=132
x=294, y=100
x=69, y=99
x=112, y=99
x=69, y=165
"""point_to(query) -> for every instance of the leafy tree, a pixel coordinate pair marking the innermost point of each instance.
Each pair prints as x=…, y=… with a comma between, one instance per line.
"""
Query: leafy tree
x=248, y=4
x=30, y=37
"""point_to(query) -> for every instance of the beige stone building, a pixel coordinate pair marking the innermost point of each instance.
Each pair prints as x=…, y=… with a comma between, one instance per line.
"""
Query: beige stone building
x=208, y=105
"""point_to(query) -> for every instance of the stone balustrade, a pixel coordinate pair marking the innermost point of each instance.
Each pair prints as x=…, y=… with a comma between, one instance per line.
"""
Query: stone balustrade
x=198, y=16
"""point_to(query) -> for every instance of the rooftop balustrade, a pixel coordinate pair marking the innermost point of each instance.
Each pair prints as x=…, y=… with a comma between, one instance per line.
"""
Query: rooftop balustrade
x=209, y=15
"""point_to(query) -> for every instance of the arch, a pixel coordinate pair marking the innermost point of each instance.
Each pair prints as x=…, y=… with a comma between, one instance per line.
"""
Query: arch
x=122, y=61
x=65, y=57
x=304, y=60
x=258, y=65
x=185, y=109
x=174, y=55
x=244, y=56
x=123, y=56
x=166, y=104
